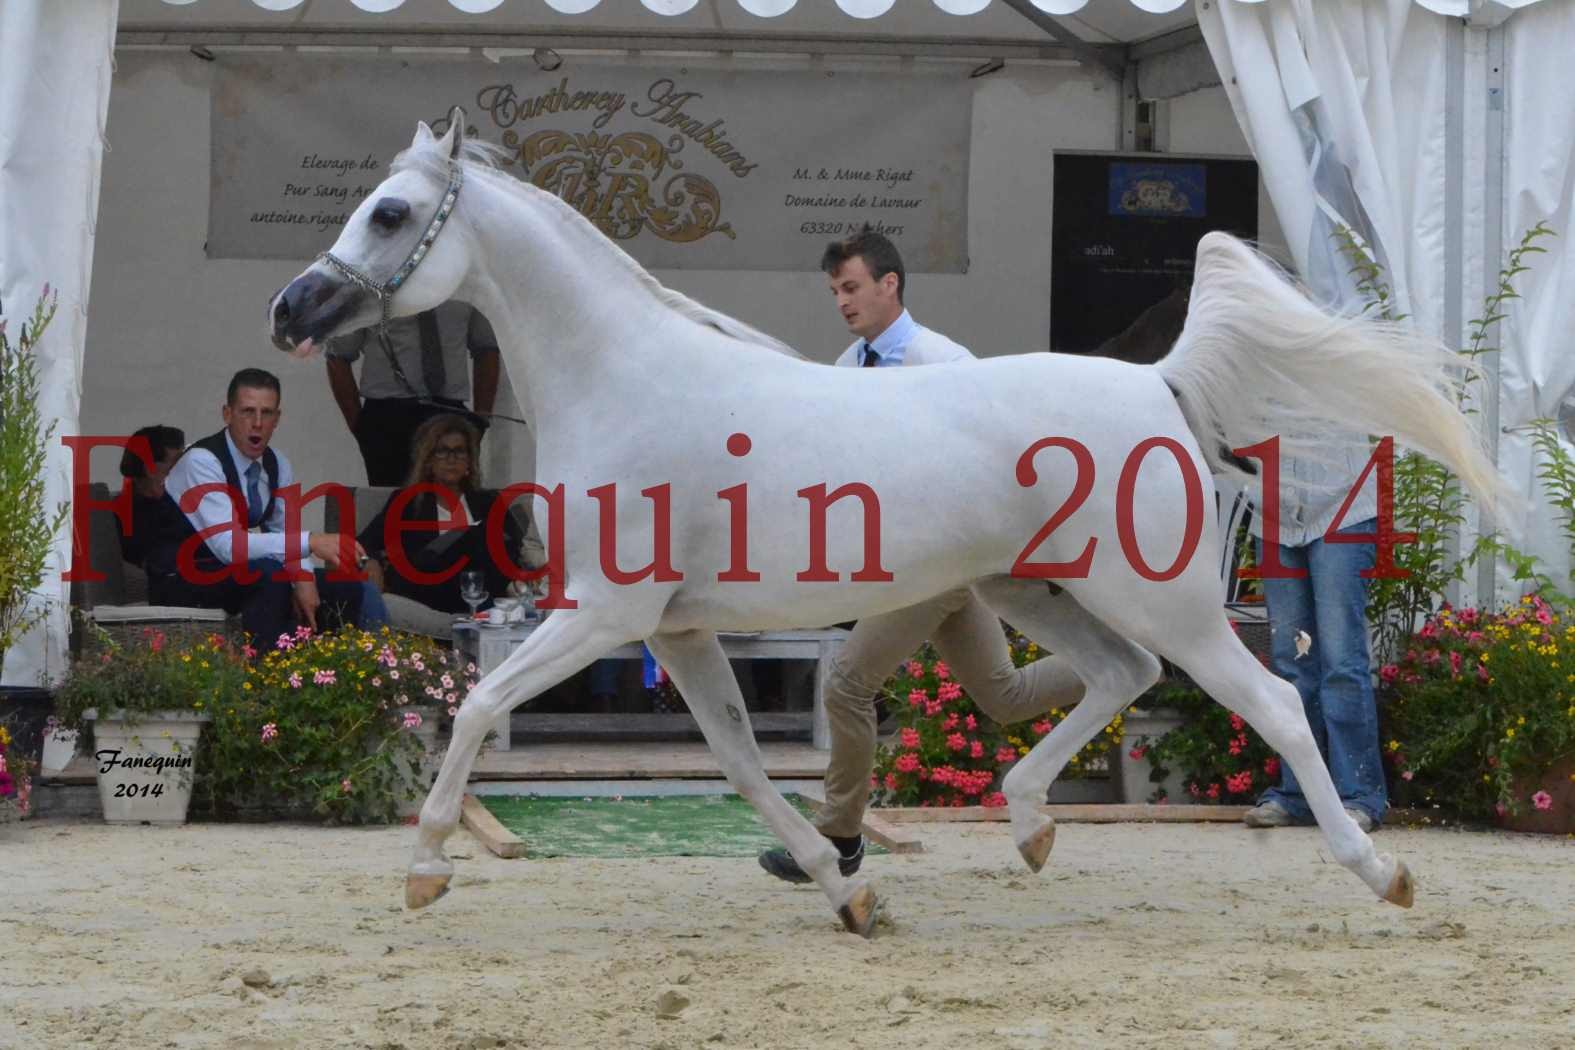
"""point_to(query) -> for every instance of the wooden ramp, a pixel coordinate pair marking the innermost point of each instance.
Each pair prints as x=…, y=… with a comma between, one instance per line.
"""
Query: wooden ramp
x=668, y=760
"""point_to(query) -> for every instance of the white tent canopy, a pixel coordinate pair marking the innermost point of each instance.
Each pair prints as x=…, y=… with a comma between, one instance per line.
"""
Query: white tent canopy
x=1442, y=129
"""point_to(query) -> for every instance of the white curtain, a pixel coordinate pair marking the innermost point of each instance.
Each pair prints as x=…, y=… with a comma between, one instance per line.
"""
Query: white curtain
x=1537, y=365
x=1344, y=103
x=54, y=97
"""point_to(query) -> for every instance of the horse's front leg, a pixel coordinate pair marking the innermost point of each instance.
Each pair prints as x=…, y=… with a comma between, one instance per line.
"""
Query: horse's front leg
x=700, y=670
x=564, y=644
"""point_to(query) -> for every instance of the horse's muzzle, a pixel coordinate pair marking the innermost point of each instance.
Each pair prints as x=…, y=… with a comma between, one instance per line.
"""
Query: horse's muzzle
x=308, y=307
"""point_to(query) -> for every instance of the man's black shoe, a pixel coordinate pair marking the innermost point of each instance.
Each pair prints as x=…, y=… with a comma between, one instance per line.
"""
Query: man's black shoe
x=780, y=863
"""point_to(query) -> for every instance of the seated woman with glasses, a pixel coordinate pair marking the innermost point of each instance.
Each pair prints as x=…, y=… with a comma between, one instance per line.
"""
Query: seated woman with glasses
x=445, y=459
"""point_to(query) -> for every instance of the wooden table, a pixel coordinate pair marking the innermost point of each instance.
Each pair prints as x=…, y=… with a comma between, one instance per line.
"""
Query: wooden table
x=490, y=646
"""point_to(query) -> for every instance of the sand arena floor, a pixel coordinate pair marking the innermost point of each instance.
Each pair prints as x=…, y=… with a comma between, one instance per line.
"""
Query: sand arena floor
x=1173, y=936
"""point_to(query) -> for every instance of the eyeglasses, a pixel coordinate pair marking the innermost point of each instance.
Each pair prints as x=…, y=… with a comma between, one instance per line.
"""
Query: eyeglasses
x=451, y=453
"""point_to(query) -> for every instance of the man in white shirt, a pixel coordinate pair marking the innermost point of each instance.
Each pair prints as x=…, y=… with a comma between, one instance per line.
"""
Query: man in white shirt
x=239, y=459
x=440, y=357
x=868, y=280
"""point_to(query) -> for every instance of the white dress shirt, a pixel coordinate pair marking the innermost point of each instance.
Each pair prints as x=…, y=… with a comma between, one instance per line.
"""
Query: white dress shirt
x=905, y=342
x=200, y=467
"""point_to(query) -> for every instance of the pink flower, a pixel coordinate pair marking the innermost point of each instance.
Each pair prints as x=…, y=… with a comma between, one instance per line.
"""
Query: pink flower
x=994, y=800
x=910, y=737
x=394, y=674
x=891, y=782
x=971, y=723
x=1407, y=775
x=1542, y=800
x=942, y=672
x=1007, y=753
x=1237, y=723
x=453, y=711
x=324, y=677
x=933, y=708
x=1213, y=791
x=948, y=691
x=269, y=731
x=1137, y=752
x=1544, y=617
x=295, y=679
x=248, y=652
x=915, y=669
x=448, y=682
x=976, y=749
x=917, y=697
x=1430, y=657
x=1482, y=673
x=1271, y=765
x=950, y=723
x=1042, y=727
x=412, y=720
x=376, y=681
x=1454, y=663
x=344, y=786
x=956, y=742
x=907, y=762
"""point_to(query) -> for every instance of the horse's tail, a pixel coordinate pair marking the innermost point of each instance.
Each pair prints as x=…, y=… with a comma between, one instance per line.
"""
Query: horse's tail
x=1258, y=359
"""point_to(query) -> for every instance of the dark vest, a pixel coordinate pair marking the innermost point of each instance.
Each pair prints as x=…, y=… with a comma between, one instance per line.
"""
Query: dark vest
x=175, y=528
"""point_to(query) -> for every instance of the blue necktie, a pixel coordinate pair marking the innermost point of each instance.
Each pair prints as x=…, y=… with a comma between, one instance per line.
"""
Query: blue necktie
x=871, y=358
x=254, y=500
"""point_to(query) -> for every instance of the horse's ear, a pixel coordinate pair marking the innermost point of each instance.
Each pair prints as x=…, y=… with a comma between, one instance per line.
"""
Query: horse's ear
x=423, y=135
x=454, y=141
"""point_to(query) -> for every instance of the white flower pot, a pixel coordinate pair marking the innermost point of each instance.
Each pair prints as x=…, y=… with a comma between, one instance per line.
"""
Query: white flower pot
x=145, y=768
x=1149, y=725
x=432, y=751
x=60, y=747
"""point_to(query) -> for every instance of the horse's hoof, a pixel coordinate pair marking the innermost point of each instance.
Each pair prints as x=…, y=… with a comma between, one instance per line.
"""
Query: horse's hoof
x=1037, y=849
x=858, y=915
x=1402, y=888
x=421, y=890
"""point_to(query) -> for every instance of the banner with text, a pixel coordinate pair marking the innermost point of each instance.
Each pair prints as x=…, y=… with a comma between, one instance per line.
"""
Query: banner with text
x=698, y=169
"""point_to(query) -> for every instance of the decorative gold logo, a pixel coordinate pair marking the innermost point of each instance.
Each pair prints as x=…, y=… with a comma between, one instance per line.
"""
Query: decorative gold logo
x=610, y=180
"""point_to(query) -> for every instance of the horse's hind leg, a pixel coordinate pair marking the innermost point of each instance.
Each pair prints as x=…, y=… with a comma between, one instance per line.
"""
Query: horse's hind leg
x=561, y=646
x=1223, y=667
x=1114, y=671
x=704, y=677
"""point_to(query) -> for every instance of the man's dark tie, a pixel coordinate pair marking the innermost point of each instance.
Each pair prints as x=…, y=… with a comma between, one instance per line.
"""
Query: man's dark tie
x=433, y=373
x=254, y=500
x=871, y=358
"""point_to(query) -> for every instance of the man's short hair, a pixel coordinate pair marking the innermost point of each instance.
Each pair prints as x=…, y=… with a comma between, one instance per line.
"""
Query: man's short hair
x=161, y=439
x=877, y=251
x=254, y=379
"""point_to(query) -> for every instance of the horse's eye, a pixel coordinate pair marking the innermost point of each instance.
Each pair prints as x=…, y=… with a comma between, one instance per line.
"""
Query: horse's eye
x=390, y=212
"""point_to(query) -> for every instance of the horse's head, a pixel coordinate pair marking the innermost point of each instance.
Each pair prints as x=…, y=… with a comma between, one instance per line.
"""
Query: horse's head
x=389, y=245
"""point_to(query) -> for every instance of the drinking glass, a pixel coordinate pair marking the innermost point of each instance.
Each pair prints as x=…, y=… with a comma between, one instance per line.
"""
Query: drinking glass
x=473, y=589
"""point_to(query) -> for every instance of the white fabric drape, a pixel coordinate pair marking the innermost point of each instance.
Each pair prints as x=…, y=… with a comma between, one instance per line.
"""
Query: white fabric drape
x=1537, y=363
x=54, y=97
x=1342, y=103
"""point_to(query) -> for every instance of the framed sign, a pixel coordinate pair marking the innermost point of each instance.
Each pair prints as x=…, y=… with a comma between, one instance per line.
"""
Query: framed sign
x=1125, y=233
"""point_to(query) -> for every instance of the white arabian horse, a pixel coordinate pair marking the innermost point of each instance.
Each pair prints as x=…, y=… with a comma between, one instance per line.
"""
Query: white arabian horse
x=635, y=385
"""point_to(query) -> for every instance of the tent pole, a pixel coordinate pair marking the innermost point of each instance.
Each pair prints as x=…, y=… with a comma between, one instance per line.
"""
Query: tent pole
x=1492, y=261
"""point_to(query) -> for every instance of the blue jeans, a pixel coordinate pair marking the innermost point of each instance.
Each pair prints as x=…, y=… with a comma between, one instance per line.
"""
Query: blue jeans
x=1334, y=678
x=374, y=611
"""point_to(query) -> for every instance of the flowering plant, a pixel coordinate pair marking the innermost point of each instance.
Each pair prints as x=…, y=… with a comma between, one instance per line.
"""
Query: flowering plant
x=949, y=753
x=330, y=725
x=1220, y=758
x=16, y=775
x=1482, y=708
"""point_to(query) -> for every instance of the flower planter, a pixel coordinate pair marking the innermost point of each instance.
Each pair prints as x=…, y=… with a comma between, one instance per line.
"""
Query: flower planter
x=60, y=747
x=420, y=782
x=145, y=767
x=1148, y=725
x=1558, y=819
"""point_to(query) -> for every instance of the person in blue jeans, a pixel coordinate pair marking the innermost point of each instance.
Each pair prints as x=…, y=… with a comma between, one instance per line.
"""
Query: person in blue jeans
x=1318, y=627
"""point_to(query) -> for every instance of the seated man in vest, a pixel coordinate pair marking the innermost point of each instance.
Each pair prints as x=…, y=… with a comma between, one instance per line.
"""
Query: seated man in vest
x=248, y=578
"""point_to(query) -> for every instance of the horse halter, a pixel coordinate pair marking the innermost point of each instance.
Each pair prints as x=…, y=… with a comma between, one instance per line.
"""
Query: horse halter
x=385, y=292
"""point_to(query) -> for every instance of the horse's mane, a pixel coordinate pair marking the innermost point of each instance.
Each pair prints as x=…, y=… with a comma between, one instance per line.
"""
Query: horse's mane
x=487, y=158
